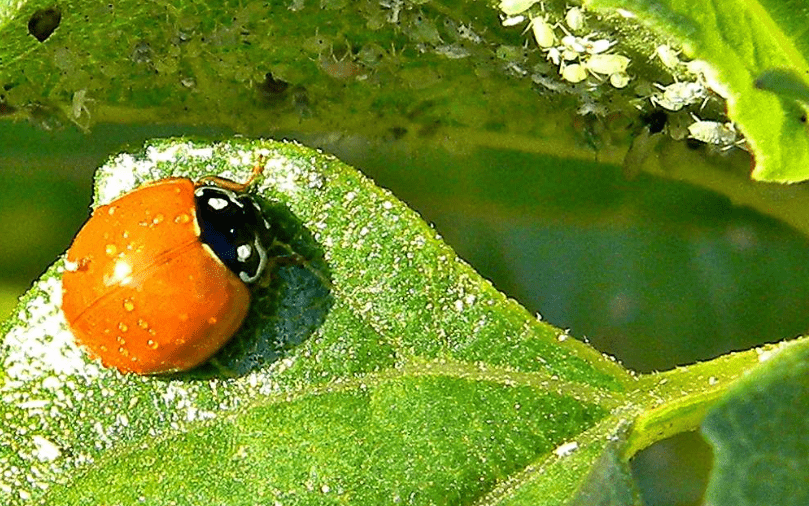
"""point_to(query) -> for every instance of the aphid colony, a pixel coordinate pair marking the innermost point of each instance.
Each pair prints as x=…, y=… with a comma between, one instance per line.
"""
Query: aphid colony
x=681, y=94
x=578, y=56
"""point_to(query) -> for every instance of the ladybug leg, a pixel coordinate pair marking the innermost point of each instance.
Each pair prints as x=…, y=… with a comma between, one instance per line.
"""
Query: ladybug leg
x=283, y=256
x=233, y=186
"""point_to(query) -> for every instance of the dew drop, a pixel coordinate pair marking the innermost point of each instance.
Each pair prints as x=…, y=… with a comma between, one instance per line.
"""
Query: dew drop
x=182, y=218
x=152, y=344
x=122, y=327
x=111, y=250
x=158, y=219
x=129, y=306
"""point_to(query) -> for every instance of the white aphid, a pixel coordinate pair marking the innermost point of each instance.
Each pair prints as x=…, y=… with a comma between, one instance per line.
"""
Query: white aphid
x=678, y=95
x=706, y=74
x=619, y=79
x=79, y=104
x=574, y=73
x=575, y=19
x=513, y=7
x=553, y=55
x=597, y=46
x=607, y=64
x=668, y=56
x=543, y=32
x=574, y=44
x=550, y=83
x=466, y=32
x=714, y=132
x=592, y=107
x=569, y=55
x=512, y=20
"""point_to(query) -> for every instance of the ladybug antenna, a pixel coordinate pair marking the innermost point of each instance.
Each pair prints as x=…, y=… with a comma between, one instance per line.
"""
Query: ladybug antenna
x=228, y=184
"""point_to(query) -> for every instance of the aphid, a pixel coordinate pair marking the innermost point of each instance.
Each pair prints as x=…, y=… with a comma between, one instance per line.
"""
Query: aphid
x=551, y=84
x=619, y=79
x=607, y=64
x=707, y=75
x=589, y=106
x=668, y=56
x=575, y=44
x=513, y=7
x=714, y=132
x=597, y=46
x=574, y=18
x=554, y=55
x=466, y=32
x=543, y=32
x=79, y=104
x=574, y=73
x=451, y=51
x=678, y=95
x=512, y=20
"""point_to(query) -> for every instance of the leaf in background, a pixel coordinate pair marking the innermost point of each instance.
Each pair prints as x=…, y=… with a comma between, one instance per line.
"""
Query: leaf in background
x=785, y=83
x=741, y=41
x=414, y=379
x=759, y=434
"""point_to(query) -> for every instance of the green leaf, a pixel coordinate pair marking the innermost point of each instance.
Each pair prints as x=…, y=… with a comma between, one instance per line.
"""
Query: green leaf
x=759, y=435
x=381, y=369
x=417, y=378
x=742, y=41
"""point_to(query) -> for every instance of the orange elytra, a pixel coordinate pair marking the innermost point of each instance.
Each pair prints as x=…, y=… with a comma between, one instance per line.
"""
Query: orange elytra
x=157, y=280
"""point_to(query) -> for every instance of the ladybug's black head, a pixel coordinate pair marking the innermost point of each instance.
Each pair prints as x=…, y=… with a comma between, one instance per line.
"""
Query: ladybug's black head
x=232, y=225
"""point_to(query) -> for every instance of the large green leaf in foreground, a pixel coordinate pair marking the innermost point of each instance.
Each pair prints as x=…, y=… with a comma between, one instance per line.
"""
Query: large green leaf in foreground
x=381, y=369
x=416, y=379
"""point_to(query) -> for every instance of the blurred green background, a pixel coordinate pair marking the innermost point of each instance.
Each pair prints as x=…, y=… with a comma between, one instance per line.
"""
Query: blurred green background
x=653, y=271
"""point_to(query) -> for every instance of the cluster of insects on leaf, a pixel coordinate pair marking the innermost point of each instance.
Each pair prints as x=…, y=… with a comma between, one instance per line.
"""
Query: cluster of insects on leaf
x=586, y=55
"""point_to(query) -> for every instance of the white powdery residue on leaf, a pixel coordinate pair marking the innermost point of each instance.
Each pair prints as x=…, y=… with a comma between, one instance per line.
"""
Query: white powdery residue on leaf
x=166, y=155
x=195, y=152
x=120, y=176
x=282, y=175
x=315, y=180
x=566, y=449
x=46, y=450
x=42, y=346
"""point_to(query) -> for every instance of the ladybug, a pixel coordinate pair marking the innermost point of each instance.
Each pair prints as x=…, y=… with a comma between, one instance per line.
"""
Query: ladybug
x=158, y=280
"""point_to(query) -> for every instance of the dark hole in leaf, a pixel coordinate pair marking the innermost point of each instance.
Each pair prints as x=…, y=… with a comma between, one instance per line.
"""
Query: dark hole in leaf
x=44, y=22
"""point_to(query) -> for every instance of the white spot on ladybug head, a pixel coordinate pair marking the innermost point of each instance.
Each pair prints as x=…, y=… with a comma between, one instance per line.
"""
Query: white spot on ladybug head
x=217, y=203
x=244, y=251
